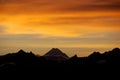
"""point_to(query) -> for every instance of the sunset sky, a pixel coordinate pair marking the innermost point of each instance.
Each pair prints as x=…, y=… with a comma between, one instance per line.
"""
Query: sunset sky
x=81, y=24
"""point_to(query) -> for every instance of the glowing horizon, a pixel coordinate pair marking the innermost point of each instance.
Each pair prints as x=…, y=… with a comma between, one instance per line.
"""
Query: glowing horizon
x=60, y=23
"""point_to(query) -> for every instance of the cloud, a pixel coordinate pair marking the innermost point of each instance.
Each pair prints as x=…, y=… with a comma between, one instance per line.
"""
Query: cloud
x=57, y=25
x=76, y=23
x=84, y=20
x=56, y=6
x=94, y=39
x=97, y=5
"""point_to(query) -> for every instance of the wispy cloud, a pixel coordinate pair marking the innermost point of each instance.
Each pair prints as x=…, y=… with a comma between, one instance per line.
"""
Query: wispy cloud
x=38, y=6
x=37, y=40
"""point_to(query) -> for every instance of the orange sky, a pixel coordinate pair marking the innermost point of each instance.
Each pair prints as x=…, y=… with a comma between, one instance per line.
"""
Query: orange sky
x=59, y=23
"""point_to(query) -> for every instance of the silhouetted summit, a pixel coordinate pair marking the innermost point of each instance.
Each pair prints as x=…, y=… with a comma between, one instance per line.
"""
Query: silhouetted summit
x=21, y=52
x=56, y=54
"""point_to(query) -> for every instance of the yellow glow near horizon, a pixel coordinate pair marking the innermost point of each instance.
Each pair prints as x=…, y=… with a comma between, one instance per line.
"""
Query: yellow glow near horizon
x=60, y=23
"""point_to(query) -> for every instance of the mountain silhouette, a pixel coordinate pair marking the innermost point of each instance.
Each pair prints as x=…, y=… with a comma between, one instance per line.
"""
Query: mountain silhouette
x=55, y=62
x=56, y=54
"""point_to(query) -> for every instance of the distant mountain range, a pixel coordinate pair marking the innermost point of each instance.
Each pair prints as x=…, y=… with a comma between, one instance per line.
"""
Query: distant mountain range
x=57, y=59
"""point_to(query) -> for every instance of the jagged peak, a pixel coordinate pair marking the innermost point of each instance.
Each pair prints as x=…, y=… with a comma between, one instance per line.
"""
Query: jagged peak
x=75, y=55
x=31, y=52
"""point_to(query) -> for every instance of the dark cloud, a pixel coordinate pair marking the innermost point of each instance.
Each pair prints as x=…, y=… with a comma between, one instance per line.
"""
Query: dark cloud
x=93, y=7
x=38, y=6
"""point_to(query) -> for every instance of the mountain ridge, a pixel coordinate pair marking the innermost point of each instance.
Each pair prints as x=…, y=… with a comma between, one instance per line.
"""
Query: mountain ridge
x=55, y=54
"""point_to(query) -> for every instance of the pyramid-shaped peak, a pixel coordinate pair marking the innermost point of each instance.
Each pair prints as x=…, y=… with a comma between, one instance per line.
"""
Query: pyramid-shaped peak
x=55, y=52
x=21, y=51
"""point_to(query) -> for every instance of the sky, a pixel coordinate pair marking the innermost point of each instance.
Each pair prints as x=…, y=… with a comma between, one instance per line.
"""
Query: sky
x=82, y=26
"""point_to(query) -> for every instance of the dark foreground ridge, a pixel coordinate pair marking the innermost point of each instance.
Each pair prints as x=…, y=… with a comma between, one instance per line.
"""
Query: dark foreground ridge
x=56, y=62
